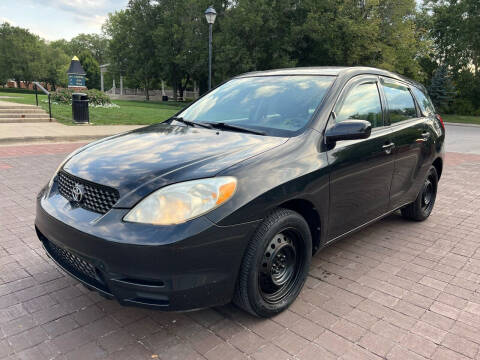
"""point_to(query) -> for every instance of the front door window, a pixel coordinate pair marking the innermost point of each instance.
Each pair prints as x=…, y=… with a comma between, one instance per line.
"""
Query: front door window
x=362, y=103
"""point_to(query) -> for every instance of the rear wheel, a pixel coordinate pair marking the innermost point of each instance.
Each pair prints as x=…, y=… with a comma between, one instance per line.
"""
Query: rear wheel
x=421, y=208
x=275, y=264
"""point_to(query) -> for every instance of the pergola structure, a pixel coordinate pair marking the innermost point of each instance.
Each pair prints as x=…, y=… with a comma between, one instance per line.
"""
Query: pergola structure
x=103, y=69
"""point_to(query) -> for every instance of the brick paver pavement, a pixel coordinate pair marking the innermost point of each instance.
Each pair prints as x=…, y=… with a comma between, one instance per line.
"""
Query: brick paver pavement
x=396, y=290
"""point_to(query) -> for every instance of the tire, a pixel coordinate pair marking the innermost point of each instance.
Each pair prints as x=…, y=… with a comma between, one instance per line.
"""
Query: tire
x=275, y=265
x=422, y=207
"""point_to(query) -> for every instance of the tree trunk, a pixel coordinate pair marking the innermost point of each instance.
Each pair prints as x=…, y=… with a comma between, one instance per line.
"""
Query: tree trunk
x=181, y=91
x=183, y=88
x=203, y=85
x=147, y=94
x=175, y=90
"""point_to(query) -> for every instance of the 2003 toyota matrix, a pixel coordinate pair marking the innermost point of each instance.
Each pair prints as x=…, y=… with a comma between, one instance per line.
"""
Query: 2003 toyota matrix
x=230, y=198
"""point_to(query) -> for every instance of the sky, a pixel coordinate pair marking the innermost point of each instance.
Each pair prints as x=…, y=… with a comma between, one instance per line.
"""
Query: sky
x=58, y=19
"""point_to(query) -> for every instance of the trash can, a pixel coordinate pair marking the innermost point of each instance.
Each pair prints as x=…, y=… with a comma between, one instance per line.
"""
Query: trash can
x=80, y=108
x=164, y=98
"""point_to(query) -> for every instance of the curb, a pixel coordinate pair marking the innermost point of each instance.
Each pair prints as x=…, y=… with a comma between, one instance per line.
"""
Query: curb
x=462, y=124
x=30, y=139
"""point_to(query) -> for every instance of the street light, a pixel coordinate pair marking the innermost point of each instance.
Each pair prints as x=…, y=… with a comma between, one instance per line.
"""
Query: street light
x=210, y=14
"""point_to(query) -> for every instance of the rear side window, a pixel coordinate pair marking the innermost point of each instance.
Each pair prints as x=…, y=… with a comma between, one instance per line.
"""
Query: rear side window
x=362, y=103
x=424, y=102
x=400, y=102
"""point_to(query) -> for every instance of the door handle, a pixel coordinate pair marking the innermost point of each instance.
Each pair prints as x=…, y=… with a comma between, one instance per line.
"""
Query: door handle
x=425, y=137
x=426, y=134
x=388, y=148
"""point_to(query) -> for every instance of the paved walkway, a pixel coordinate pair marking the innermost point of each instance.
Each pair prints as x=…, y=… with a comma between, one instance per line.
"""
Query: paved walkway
x=396, y=290
x=11, y=133
x=464, y=138
x=12, y=104
x=27, y=132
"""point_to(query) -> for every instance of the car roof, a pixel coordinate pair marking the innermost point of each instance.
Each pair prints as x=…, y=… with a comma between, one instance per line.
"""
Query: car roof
x=339, y=71
x=318, y=70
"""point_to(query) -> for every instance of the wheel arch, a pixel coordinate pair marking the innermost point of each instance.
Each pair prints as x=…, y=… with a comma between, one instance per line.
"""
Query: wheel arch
x=438, y=164
x=311, y=216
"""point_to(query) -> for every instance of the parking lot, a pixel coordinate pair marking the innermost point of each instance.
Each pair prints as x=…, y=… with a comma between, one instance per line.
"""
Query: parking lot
x=396, y=290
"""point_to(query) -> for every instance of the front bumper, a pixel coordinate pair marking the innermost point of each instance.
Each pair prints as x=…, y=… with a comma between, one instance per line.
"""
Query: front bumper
x=181, y=268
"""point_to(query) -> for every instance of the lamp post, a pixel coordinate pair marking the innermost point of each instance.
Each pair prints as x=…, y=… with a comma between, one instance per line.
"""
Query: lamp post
x=210, y=14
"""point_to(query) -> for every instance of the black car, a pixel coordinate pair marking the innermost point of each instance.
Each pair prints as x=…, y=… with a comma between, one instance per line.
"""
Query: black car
x=230, y=198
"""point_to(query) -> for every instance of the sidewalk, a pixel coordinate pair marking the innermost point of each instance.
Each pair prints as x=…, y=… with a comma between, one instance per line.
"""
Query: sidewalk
x=14, y=133
x=461, y=124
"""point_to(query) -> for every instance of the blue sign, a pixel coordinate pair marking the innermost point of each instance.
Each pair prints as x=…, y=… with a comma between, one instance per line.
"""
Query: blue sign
x=75, y=80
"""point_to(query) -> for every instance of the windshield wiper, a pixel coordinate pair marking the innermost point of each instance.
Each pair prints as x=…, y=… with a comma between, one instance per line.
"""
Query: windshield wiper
x=191, y=123
x=227, y=126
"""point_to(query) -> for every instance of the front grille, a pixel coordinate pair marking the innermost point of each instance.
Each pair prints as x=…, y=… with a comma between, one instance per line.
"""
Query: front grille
x=97, y=198
x=71, y=262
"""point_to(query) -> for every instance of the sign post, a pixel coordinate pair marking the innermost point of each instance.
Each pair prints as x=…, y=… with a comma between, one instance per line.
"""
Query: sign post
x=75, y=80
x=76, y=75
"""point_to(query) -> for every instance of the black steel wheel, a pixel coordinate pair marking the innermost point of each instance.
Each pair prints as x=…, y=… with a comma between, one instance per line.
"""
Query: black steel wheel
x=280, y=264
x=428, y=193
x=422, y=207
x=275, y=264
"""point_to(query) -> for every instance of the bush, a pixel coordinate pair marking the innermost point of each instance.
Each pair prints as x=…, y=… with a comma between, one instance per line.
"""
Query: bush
x=19, y=90
x=95, y=97
x=462, y=107
x=62, y=96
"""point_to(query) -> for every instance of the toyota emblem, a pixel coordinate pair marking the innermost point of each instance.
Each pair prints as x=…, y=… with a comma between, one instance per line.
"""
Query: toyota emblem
x=77, y=193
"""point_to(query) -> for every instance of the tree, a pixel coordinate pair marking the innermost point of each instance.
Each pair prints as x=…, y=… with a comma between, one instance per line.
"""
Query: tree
x=400, y=47
x=95, y=43
x=181, y=40
x=55, y=64
x=454, y=28
x=21, y=57
x=6, y=61
x=265, y=34
x=132, y=40
x=255, y=35
x=442, y=90
x=64, y=46
x=91, y=67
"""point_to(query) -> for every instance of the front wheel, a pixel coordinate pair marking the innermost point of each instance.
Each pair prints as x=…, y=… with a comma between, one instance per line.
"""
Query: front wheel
x=421, y=208
x=275, y=264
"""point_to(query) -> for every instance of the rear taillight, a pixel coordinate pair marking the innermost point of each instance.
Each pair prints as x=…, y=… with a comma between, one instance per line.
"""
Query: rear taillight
x=441, y=121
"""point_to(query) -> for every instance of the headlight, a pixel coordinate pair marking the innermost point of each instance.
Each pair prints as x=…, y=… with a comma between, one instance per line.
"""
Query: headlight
x=50, y=183
x=178, y=203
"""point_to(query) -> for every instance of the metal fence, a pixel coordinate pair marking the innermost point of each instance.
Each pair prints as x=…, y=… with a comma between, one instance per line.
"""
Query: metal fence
x=152, y=93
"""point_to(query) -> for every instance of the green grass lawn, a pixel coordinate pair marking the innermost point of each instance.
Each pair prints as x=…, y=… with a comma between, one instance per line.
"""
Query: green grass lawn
x=129, y=112
x=462, y=119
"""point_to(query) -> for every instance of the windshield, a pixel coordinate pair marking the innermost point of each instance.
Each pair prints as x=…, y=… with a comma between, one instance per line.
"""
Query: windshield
x=277, y=105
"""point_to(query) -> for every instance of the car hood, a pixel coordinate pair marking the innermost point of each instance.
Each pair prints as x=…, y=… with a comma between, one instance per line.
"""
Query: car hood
x=140, y=161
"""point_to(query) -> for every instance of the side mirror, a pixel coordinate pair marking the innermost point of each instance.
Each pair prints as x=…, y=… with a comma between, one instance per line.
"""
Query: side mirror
x=348, y=130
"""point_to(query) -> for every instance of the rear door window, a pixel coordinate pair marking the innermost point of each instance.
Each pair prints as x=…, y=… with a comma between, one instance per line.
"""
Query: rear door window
x=424, y=102
x=400, y=102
